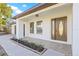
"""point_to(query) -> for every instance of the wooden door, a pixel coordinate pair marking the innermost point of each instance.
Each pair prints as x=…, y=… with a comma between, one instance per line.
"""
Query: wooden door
x=59, y=29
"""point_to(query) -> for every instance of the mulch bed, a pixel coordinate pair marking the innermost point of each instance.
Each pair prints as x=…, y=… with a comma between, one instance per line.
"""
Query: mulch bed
x=34, y=47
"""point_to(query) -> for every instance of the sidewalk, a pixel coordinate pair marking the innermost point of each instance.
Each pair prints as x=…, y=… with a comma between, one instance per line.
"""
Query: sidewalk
x=13, y=49
x=2, y=33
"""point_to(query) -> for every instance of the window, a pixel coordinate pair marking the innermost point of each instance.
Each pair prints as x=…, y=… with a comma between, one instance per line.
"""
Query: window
x=32, y=27
x=39, y=27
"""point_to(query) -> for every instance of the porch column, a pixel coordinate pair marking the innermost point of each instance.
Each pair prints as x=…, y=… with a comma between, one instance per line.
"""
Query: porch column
x=75, y=44
x=13, y=29
x=19, y=29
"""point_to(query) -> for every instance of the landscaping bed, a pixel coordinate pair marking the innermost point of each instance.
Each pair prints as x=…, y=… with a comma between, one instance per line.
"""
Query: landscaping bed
x=34, y=47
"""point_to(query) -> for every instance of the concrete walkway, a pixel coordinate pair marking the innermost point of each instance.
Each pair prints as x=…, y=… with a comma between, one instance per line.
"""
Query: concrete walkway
x=2, y=33
x=13, y=49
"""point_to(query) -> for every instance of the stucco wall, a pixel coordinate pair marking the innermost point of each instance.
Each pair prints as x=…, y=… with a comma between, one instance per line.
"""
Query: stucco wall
x=19, y=29
x=45, y=37
x=12, y=29
x=75, y=44
x=46, y=18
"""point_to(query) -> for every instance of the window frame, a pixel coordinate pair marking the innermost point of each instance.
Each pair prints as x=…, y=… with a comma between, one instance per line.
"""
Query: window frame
x=39, y=26
x=32, y=30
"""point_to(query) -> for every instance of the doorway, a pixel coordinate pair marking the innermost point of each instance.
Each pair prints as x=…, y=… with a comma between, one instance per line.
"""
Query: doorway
x=59, y=29
x=24, y=30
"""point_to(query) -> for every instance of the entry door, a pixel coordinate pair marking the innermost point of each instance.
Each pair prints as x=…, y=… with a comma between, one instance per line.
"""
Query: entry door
x=24, y=30
x=15, y=29
x=59, y=29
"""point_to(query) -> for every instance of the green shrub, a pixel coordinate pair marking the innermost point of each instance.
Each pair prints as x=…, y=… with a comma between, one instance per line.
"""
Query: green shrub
x=32, y=45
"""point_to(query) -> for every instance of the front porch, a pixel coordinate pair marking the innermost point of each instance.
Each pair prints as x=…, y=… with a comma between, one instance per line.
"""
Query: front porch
x=13, y=49
x=63, y=48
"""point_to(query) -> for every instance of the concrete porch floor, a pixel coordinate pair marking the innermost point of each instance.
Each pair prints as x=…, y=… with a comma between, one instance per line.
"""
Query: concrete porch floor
x=13, y=49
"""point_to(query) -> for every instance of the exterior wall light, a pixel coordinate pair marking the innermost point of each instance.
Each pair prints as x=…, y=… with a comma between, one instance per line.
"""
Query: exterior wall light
x=37, y=15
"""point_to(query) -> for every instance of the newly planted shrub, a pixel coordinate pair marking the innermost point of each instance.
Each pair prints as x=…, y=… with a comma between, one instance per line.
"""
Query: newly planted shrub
x=32, y=45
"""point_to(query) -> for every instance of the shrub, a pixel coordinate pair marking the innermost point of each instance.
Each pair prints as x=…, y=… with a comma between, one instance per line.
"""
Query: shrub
x=32, y=45
x=40, y=48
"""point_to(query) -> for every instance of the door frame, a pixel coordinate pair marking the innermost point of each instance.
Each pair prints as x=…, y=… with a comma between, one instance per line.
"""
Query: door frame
x=52, y=30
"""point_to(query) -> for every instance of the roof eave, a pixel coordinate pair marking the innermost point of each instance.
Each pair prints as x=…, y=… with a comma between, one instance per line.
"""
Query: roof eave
x=34, y=9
